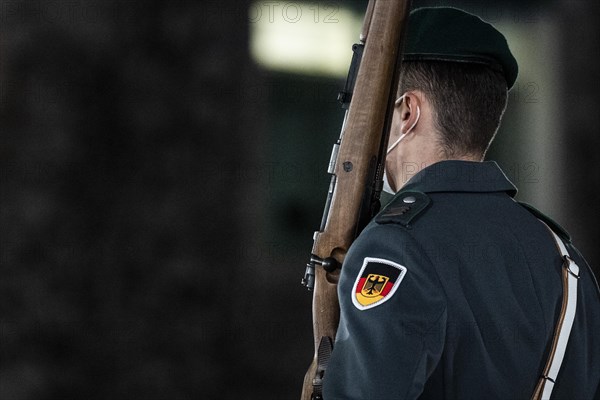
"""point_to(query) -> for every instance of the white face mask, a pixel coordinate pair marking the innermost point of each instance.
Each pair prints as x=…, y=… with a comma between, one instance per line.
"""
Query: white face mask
x=386, y=184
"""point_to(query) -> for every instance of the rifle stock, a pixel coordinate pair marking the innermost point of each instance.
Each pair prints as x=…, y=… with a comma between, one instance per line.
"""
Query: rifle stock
x=357, y=167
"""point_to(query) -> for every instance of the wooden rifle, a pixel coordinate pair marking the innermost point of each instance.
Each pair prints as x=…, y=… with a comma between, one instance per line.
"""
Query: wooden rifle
x=357, y=164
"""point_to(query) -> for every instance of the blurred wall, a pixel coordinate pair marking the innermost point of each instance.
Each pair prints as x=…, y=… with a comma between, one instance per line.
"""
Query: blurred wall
x=126, y=133
x=579, y=99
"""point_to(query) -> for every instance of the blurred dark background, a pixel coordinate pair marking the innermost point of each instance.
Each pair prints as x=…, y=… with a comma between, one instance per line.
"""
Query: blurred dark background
x=160, y=186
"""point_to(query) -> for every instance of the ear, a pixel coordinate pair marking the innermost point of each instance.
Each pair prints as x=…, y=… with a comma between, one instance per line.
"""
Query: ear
x=410, y=112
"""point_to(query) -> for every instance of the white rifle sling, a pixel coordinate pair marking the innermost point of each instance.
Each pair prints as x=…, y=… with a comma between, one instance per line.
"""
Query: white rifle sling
x=562, y=331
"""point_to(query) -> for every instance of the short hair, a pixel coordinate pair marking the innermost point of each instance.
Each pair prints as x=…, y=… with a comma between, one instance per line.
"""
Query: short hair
x=468, y=100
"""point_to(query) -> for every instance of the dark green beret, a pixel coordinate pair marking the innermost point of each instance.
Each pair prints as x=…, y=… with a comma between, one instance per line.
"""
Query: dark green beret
x=453, y=35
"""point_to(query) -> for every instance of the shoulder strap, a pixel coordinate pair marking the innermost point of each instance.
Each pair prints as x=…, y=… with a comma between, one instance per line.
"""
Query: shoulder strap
x=562, y=331
x=405, y=207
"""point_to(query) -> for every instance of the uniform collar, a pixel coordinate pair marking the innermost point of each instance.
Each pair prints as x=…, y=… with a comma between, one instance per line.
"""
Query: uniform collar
x=461, y=176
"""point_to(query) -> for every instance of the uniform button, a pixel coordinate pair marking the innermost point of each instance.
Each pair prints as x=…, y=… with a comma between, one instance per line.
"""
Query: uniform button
x=410, y=200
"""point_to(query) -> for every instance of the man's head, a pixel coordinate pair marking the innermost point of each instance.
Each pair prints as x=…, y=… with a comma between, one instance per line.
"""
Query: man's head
x=468, y=101
x=455, y=77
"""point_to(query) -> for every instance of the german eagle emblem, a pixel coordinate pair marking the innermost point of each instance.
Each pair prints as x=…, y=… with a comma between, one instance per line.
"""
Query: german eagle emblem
x=377, y=281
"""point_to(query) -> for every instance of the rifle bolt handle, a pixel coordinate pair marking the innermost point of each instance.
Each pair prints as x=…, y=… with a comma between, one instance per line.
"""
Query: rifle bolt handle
x=330, y=264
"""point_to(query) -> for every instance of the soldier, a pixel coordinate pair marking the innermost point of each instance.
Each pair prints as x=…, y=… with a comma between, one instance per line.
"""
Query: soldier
x=455, y=290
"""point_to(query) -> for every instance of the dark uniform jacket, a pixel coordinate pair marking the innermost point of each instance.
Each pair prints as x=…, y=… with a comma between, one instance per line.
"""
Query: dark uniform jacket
x=453, y=292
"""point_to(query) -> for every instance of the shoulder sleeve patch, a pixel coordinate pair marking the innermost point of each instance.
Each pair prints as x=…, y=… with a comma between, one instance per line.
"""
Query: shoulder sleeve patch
x=559, y=230
x=404, y=208
x=376, y=282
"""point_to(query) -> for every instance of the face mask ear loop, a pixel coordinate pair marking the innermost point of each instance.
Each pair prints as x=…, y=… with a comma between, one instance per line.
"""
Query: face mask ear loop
x=386, y=184
x=396, y=143
x=407, y=132
x=400, y=100
x=416, y=121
